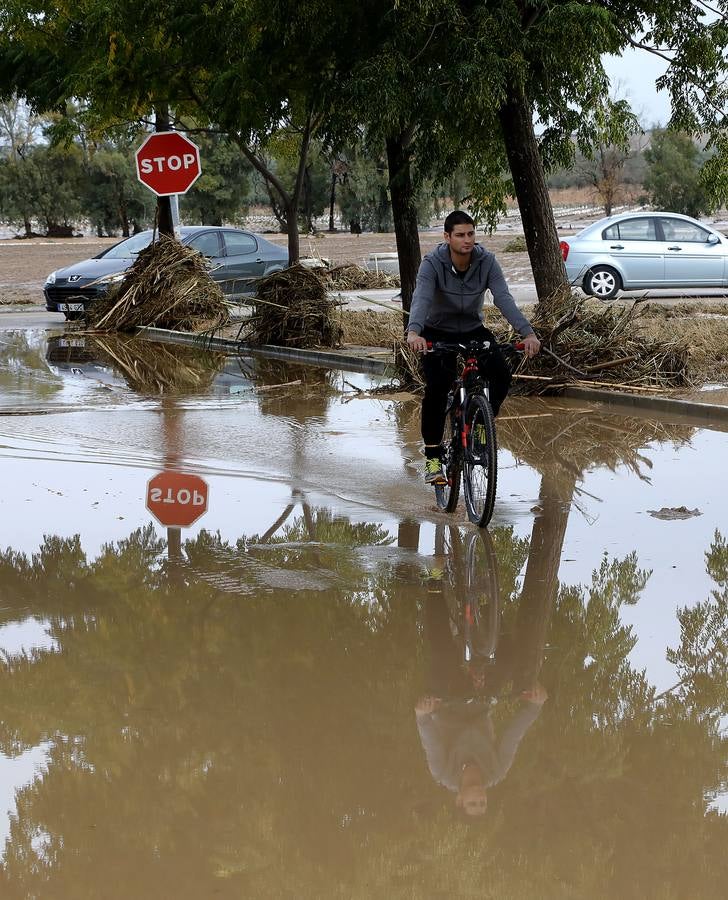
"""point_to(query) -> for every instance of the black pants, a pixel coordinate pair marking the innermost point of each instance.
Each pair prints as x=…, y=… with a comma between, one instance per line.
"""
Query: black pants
x=441, y=369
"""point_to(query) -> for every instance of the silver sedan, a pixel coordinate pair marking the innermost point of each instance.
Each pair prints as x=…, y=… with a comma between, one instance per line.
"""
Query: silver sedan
x=636, y=251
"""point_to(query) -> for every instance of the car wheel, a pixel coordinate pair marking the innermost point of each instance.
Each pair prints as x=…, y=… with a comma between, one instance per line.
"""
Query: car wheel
x=602, y=282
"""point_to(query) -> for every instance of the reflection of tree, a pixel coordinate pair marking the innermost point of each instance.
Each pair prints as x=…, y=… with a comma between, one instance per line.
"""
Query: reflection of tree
x=259, y=742
x=188, y=704
x=702, y=657
x=561, y=447
x=299, y=393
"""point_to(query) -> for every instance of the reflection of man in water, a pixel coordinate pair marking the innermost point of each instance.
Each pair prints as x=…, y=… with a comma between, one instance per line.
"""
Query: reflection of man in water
x=456, y=728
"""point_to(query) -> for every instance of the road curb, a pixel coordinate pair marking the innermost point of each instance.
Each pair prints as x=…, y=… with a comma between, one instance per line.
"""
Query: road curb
x=328, y=358
x=705, y=413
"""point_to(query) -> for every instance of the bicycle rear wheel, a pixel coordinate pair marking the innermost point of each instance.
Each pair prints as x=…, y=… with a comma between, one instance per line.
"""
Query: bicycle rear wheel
x=480, y=462
x=447, y=495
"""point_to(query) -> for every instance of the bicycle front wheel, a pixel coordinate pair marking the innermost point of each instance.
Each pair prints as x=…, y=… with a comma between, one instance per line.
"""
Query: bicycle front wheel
x=480, y=462
x=482, y=594
x=446, y=495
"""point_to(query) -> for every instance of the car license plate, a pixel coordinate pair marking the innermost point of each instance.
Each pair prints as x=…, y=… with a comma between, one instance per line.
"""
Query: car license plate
x=72, y=342
x=71, y=307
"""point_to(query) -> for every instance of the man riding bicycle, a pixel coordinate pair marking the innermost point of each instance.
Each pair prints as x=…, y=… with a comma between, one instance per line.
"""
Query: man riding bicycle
x=447, y=306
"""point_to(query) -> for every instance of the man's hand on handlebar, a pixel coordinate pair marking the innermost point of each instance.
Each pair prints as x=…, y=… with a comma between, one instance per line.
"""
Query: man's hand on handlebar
x=531, y=345
x=416, y=342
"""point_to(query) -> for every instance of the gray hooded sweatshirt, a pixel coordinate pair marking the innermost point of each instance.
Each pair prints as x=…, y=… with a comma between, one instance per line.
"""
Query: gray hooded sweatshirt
x=448, y=301
x=461, y=731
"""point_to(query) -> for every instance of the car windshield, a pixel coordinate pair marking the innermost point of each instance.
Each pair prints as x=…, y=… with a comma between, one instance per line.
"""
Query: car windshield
x=129, y=247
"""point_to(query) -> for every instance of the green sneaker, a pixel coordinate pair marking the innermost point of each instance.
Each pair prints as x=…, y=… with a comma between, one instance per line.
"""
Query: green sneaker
x=433, y=471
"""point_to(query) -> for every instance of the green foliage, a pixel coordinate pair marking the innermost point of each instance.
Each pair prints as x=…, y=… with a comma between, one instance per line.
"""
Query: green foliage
x=46, y=184
x=363, y=197
x=673, y=176
x=219, y=194
x=316, y=190
x=113, y=198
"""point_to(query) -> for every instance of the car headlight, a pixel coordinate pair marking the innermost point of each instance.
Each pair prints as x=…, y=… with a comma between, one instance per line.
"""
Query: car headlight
x=51, y=279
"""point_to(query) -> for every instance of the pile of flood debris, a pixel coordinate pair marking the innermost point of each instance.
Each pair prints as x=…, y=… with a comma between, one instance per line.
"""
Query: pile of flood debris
x=356, y=278
x=168, y=286
x=582, y=343
x=292, y=308
x=587, y=343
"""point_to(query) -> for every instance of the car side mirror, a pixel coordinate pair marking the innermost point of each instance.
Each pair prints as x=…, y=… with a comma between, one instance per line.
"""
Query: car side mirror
x=713, y=239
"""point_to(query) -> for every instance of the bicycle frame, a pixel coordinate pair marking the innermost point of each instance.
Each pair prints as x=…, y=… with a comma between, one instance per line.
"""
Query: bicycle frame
x=470, y=456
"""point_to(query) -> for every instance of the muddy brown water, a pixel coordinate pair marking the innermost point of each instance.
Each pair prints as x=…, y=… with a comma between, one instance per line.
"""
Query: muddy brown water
x=287, y=698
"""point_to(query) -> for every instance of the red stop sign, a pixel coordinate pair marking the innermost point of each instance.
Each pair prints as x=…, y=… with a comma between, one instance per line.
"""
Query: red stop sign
x=168, y=163
x=176, y=499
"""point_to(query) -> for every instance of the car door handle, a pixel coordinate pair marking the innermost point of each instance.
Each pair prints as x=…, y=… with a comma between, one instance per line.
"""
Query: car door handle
x=616, y=246
x=674, y=248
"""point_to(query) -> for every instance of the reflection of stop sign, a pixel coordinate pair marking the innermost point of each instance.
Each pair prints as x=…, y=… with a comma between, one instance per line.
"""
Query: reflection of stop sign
x=168, y=163
x=176, y=499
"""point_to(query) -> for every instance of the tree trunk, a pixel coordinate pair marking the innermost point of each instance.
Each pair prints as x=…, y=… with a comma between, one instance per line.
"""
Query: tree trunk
x=404, y=213
x=541, y=581
x=277, y=208
x=165, y=223
x=124, y=218
x=332, y=202
x=289, y=202
x=308, y=200
x=539, y=228
x=294, y=243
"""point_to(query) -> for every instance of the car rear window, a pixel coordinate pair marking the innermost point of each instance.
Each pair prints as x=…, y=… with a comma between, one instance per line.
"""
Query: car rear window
x=238, y=244
x=679, y=230
x=631, y=230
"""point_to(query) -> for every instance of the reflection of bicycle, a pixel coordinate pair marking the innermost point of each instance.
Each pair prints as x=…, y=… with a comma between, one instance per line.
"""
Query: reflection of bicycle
x=469, y=441
x=472, y=593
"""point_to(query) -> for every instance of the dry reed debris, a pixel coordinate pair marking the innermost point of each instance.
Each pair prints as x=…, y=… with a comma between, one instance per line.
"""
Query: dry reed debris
x=169, y=286
x=357, y=278
x=292, y=309
x=155, y=369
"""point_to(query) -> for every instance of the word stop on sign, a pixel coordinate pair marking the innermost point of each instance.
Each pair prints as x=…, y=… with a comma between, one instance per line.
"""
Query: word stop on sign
x=167, y=163
x=181, y=496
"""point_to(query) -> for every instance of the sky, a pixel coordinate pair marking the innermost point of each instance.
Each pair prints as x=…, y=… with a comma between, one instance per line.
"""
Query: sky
x=633, y=77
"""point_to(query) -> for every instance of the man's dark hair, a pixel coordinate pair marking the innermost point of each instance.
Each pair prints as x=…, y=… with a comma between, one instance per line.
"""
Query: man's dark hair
x=457, y=218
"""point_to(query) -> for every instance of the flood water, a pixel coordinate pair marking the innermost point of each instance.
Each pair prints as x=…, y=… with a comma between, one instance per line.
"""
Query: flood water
x=324, y=687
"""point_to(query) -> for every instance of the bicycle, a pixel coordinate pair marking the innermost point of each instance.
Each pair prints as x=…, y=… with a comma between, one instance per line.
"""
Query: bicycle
x=471, y=591
x=470, y=450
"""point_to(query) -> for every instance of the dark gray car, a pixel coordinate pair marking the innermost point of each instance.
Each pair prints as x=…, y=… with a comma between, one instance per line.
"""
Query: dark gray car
x=237, y=259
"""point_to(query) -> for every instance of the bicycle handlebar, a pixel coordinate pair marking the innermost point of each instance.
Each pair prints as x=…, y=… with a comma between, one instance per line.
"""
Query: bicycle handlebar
x=472, y=346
